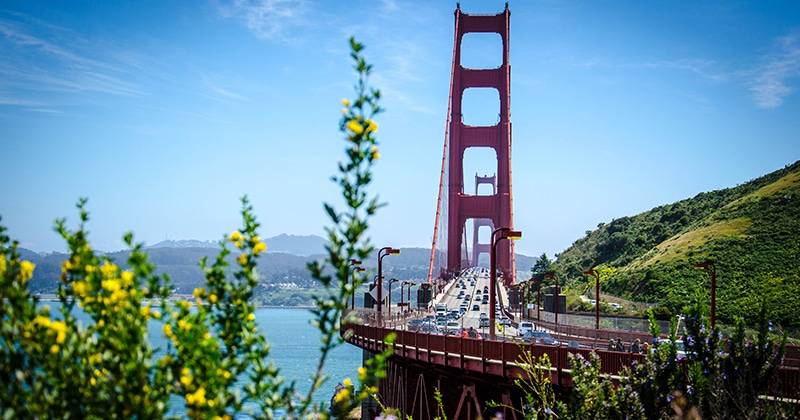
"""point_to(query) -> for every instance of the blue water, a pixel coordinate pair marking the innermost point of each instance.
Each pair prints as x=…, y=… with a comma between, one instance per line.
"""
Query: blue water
x=294, y=348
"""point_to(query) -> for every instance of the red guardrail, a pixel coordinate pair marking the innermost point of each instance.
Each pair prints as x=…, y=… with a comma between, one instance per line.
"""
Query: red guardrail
x=500, y=357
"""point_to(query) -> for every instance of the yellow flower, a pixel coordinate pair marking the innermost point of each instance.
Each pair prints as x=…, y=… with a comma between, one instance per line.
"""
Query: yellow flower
x=145, y=311
x=2, y=264
x=362, y=373
x=197, y=398
x=95, y=358
x=236, y=236
x=251, y=316
x=342, y=395
x=224, y=373
x=212, y=298
x=259, y=248
x=355, y=127
x=156, y=314
x=66, y=265
x=183, y=325
x=207, y=336
x=42, y=320
x=93, y=381
x=345, y=102
x=127, y=278
x=199, y=292
x=26, y=270
x=242, y=259
x=375, y=154
x=118, y=296
x=54, y=349
x=186, y=380
x=80, y=288
x=372, y=126
x=347, y=382
x=111, y=285
x=61, y=331
x=168, y=330
x=184, y=305
x=108, y=269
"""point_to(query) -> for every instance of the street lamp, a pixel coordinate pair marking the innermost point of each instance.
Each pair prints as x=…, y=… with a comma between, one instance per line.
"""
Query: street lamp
x=410, y=285
x=356, y=264
x=402, y=302
x=498, y=235
x=709, y=267
x=592, y=272
x=537, y=281
x=390, y=296
x=552, y=276
x=387, y=250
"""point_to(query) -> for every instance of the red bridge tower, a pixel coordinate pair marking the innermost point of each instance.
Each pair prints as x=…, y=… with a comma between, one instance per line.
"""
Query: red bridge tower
x=455, y=207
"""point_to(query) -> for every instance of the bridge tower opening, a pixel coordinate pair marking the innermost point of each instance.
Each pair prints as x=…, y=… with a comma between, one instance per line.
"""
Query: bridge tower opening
x=479, y=248
x=454, y=206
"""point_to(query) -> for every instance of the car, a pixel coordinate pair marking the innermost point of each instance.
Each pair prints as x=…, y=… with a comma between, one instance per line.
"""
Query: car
x=476, y=307
x=524, y=327
x=540, y=337
x=484, y=322
x=504, y=321
x=678, y=343
x=453, y=327
x=428, y=327
x=575, y=345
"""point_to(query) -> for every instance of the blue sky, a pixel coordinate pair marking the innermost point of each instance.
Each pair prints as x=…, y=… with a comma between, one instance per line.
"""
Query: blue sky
x=164, y=113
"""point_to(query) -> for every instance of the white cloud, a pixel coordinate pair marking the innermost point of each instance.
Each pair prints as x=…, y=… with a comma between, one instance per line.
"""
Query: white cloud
x=266, y=19
x=771, y=82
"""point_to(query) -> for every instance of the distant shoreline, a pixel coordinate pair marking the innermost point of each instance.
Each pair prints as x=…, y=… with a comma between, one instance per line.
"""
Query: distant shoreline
x=50, y=298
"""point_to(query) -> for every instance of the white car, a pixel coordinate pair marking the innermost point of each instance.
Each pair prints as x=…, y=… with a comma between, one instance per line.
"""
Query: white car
x=524, y=327
x=453, y=327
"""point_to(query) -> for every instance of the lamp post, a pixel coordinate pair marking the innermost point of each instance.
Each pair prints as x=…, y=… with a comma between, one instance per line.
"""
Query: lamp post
x=410, y=285
x=356, y=264
x=389, y=297
x=552, y=275
x=387, y=250
x=405, y=304
x=592, y=272
x=709, y=267
x=537, y=281
x=498, y=235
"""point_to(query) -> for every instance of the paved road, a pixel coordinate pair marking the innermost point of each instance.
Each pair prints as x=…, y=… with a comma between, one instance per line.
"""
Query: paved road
x=472, y=317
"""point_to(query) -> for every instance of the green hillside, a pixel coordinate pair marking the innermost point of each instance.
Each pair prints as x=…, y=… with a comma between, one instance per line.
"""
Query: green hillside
x=751, y=231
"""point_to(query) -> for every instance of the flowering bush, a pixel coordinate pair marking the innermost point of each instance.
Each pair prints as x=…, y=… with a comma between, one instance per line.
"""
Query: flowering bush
x=55, y=366
x=719, y=378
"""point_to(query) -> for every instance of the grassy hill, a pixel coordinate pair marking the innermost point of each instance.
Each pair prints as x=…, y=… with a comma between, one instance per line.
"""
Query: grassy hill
x=751, y=231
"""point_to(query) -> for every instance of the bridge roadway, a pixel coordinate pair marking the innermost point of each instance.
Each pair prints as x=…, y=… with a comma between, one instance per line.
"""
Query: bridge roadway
x=475, y=280
x=470, y=371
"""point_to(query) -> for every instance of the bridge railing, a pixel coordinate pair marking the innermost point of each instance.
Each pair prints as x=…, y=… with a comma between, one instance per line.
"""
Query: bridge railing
x=504, y=358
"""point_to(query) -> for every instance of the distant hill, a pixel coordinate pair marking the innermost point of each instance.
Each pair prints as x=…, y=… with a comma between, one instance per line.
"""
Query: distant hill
x=752, y=231
x=278, y=269
x=289, y=244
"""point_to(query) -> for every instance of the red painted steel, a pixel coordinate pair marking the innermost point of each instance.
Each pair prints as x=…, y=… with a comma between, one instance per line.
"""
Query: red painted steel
x=454, y=207
x=500, y=358
x=478, y=248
